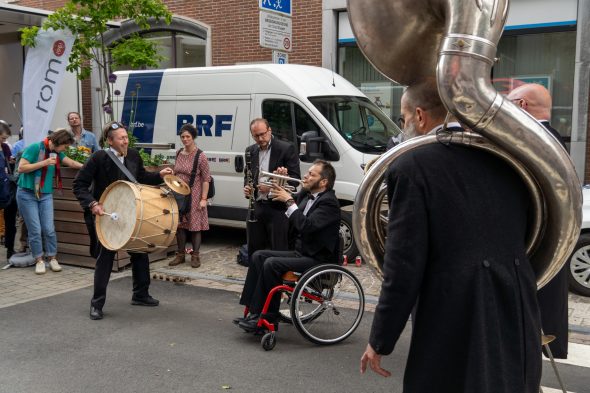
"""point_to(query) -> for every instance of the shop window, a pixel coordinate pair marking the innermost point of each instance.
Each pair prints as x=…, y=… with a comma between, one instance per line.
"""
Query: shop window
x=544, y=58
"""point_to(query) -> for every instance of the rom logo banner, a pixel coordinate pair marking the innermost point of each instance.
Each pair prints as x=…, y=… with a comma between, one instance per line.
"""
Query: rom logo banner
x=45, y=67
x=275, y=31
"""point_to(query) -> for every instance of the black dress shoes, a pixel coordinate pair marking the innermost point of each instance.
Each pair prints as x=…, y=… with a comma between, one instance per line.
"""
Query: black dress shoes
x=144, y=301
x=95, y=313
x=236, y=321
x=250, y=325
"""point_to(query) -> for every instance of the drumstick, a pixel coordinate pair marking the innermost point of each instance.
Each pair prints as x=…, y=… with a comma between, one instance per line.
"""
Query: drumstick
x=114, y=216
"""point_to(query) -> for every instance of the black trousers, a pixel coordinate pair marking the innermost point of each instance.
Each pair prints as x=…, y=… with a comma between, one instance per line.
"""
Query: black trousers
x=89, y=220
x=553, y=299
x=265, y=272
x=271, y=230
x=140, y=267
x=10, y=227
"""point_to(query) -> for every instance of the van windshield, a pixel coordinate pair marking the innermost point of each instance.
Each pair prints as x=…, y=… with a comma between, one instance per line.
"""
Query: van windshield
x=362, y=124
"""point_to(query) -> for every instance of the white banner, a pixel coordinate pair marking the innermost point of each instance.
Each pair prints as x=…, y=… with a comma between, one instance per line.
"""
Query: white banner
x=45, y=66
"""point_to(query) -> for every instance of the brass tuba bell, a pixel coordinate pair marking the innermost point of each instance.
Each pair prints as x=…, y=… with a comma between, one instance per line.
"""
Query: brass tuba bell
x=455, y=41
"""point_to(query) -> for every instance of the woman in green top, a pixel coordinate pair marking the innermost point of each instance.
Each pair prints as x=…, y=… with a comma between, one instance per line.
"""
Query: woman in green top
x=39, y=164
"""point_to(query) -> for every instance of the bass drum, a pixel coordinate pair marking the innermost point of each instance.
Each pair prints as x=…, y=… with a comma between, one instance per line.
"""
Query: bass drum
x=139, y=218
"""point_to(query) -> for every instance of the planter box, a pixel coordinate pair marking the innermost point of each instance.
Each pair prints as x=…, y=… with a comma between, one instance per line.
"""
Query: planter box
x=72, y=236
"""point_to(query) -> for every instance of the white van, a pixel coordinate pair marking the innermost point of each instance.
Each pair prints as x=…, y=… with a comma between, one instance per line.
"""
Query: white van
x=313, y=105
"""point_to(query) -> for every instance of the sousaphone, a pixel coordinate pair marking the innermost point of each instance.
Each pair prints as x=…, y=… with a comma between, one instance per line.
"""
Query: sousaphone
x=455, y=41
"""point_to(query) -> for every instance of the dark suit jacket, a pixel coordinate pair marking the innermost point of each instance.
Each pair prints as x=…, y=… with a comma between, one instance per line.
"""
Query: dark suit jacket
x=281, y=154
x=456, y=244
x=102, y=171
x=318, y=231
x=553, y=297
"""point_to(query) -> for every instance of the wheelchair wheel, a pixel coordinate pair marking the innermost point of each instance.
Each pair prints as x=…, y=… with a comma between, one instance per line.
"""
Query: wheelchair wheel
x=327, y=304
x=268, y=341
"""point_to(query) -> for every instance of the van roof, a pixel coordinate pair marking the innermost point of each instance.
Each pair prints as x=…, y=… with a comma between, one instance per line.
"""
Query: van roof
x=308, y=81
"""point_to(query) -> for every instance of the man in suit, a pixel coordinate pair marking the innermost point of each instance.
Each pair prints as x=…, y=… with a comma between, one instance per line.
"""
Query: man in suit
x=315, y=217
x=456, y=247
x=99, y=172
x=553, y=297
x=269, y=154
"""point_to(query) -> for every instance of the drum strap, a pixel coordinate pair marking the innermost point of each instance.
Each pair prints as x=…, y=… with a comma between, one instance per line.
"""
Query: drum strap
x=122, y=167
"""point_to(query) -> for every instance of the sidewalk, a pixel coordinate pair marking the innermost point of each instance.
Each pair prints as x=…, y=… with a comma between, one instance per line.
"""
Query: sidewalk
x=219, y=270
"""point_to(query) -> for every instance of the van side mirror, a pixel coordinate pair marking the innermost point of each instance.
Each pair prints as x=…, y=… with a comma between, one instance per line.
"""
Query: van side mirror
x=314, y=147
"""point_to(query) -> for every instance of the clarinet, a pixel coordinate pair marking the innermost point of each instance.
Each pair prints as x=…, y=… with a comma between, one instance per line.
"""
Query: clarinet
x=251, y=215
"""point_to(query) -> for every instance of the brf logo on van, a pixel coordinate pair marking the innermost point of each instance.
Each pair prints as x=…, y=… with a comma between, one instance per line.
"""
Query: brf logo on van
x=207, y=125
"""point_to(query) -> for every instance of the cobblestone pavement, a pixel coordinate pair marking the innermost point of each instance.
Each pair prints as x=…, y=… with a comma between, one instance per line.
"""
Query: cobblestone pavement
x=218, y=270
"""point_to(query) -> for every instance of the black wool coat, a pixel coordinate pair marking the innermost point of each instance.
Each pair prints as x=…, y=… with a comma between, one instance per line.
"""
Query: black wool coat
x=100, y=171
x=456, y=246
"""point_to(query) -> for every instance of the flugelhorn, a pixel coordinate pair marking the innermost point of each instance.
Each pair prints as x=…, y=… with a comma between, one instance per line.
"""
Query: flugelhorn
x=274, y=179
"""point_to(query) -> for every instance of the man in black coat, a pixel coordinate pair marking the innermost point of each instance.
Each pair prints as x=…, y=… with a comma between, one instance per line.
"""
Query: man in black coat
x=99, y=172
x=315, y=217
x=553, y=297
x=269, y=154
x=456, y=248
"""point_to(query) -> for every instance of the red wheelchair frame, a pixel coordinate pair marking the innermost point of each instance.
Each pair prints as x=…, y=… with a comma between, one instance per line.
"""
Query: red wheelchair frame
x=328, y=276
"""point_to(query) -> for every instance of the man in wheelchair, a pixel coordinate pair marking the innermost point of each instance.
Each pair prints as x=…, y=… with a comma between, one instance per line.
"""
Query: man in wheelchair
x=314, y=216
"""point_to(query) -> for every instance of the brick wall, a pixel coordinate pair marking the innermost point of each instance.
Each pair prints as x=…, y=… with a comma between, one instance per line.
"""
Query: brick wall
x=235, y=28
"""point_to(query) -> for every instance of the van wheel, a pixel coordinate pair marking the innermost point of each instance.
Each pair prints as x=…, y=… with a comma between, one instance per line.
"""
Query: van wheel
x=579, y=266
x=349, y=246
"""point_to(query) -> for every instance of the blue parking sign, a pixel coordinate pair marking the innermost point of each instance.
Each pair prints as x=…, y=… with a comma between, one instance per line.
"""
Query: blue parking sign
x=281, y=6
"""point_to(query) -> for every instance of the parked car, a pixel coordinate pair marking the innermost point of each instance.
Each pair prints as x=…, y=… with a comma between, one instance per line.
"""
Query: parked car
x=579, y=261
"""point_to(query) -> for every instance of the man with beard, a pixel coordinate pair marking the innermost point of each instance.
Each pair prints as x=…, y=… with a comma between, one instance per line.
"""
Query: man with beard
x=100, y=171
x=314, y=214
x=456, y=248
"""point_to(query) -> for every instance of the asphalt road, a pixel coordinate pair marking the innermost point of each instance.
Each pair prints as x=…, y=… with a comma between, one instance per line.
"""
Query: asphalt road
x=188, y=344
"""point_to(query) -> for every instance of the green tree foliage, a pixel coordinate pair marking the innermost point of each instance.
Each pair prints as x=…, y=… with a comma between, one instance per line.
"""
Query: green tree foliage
x=87, y=20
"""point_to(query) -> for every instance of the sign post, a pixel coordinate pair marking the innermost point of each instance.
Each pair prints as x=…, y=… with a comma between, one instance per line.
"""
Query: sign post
x=276, y=31
x=280, y=57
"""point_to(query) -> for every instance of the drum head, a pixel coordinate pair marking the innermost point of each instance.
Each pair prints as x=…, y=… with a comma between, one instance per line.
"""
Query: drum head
x=177, y=185
x=120, y=200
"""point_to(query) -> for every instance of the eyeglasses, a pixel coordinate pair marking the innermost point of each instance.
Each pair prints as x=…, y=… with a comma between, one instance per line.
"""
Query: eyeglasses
x=258, y=136
x=116, y=126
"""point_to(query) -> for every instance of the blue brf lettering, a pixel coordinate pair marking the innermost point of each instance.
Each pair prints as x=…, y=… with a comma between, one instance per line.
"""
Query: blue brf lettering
x=206, y=123
x=222, y=123
x=182, y=120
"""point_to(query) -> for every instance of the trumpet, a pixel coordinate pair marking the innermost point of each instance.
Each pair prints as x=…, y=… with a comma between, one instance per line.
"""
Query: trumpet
x=274, y=179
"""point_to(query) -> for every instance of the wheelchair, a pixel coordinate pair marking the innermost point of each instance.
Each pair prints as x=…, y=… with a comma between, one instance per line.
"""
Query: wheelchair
x=325, y=304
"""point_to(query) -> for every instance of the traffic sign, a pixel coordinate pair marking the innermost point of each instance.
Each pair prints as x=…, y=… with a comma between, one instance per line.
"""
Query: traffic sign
x=282, y=6
x=280, y=57
x=275, y=31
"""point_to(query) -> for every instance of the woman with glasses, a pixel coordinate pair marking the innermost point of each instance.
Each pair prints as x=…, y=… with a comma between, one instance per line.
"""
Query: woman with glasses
x=38, y=166
x=191, y=163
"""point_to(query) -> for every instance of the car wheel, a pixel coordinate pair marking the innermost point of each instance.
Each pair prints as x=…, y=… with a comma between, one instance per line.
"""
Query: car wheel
x=349, y=246
x=579, y=266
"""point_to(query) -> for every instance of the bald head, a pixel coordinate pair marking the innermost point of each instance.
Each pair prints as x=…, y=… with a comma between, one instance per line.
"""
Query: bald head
x=534, y=99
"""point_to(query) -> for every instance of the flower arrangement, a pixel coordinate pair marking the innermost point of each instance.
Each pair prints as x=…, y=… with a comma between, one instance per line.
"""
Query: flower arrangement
x=79, y=153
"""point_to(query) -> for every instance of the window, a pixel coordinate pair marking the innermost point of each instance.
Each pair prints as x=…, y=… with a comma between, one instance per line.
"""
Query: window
x=288, y=120
x=360, y=122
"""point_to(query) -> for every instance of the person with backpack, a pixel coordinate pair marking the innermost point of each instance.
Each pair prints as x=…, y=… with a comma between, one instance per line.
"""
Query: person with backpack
x=7, y=191
x=192, y=167
x=38, y=166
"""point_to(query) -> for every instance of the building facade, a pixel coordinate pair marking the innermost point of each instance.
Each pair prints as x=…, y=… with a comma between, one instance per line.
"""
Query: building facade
x=545, y=41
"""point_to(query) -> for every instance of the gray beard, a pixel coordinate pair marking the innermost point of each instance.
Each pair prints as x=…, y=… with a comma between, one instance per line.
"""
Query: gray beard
x=410, y=132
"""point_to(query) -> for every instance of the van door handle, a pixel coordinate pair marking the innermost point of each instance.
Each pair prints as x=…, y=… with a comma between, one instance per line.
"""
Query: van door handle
x=239, y=164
